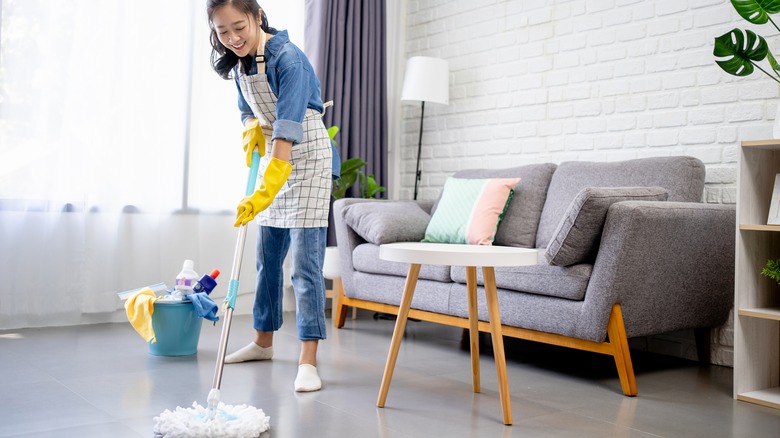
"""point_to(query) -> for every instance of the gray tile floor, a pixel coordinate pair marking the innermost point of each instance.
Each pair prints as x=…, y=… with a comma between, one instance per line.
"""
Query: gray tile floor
x=100, y=381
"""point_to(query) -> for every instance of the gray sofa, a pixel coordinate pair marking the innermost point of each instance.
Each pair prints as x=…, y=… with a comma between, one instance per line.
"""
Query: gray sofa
x=656, y=266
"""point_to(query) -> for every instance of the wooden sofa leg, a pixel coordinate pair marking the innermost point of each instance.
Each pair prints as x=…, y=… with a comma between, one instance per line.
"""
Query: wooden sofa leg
x=339, y=309
x=616, y=331
x=703, y=346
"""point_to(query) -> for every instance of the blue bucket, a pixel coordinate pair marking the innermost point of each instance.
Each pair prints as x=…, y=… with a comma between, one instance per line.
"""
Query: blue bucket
x=176, y=327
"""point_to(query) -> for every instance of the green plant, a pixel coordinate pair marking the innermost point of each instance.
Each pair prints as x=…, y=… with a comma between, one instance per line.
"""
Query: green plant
x=739, y=49
x=351, y=173
x=772, y=270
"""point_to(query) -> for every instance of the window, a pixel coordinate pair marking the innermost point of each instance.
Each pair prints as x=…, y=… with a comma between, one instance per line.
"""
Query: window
x=110, y=104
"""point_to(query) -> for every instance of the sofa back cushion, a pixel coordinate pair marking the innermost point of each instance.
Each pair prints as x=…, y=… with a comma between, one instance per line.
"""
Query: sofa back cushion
x=521, y=218
x=682, y=177
x=578, y=234
x=381, y=221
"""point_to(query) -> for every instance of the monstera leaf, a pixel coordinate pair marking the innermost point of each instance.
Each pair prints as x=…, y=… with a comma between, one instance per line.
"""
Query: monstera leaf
x=756, y=11
x=741, y=49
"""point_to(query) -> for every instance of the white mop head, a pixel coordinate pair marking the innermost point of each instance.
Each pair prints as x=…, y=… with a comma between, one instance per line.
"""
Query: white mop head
x=240, y=421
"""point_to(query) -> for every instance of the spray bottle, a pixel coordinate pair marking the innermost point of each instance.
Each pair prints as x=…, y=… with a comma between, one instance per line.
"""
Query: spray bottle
x=186, y=278
x=206, y=283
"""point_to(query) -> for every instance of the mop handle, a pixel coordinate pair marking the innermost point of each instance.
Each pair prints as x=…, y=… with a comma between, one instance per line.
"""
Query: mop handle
x=252, y=181
x=230, y=298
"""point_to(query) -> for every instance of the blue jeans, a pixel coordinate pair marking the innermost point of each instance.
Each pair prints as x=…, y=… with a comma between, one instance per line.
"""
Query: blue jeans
x=308, y=255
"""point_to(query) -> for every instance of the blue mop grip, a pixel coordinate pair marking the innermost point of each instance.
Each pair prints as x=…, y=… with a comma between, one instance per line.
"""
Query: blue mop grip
x=230, y=298
x=252, y=181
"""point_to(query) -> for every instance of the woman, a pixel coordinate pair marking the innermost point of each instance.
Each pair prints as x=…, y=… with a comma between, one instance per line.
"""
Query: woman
x=279, y=99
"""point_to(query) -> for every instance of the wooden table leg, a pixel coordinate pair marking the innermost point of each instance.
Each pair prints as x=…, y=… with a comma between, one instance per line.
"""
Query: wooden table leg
x=498, y=341
x=398, y=332
x=471, y=287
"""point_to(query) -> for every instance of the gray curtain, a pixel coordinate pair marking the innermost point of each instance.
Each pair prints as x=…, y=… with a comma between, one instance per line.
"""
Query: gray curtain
x=345, y=42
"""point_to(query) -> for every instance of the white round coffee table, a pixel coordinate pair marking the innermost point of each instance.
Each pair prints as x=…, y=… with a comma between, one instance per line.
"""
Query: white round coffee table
x=470, y=256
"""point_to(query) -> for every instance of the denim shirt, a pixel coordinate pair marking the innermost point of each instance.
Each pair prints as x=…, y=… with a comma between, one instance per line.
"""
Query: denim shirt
x=293, y=81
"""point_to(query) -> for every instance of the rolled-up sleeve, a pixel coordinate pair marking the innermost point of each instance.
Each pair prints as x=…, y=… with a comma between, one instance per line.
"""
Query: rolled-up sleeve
x=291, y=104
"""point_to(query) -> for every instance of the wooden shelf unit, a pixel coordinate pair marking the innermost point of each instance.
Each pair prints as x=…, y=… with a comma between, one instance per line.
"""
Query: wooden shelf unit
x=765, y=313
x=756, y=298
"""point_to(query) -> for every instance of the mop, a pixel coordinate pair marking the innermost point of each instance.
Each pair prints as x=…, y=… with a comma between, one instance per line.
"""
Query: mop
x=218, y=419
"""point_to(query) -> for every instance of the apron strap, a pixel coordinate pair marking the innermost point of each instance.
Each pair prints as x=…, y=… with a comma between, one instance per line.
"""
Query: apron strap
x=260, y=56
x=325, y=106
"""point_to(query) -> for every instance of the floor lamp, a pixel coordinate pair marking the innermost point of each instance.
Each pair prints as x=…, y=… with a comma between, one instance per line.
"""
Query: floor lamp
x=426, y=80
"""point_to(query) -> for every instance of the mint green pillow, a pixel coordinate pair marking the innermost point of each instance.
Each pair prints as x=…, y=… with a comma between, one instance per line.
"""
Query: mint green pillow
x=470, y=210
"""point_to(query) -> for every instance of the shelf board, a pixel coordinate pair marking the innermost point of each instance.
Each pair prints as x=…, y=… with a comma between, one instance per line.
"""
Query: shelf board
x=765, y=397
x=757, y=227
x=761, y=144
x=761, y=312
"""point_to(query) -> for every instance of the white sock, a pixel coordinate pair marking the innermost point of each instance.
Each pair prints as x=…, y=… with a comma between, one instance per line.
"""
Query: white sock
x=308, y=379
x=250, y=352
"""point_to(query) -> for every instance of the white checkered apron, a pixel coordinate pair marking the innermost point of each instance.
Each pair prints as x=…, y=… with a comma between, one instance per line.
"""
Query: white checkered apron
x=304, y=200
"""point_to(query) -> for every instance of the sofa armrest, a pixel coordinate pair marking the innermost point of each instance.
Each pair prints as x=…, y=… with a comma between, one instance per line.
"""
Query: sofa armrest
x=346, y=238
x=670, y=265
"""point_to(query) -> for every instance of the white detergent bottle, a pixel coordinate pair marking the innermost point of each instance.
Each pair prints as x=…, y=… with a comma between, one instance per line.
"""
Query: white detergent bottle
x=186, y=278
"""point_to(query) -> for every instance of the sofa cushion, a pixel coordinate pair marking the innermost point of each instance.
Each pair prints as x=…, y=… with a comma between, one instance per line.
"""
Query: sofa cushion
x=431, y=296
x=470, y=210
x=365, y=258
x=521, y=219
x=568, y=282
x=387, y=221
x=576, y=239
x=682, y=177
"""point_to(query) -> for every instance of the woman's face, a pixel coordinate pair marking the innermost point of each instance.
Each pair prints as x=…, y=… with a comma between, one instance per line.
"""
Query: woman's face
x=236, y=30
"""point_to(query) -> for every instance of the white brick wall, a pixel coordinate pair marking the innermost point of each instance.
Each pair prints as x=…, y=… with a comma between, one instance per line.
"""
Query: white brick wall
x=599, y=80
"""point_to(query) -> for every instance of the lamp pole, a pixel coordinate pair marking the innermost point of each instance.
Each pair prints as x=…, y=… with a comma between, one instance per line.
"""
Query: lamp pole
x=418, y=174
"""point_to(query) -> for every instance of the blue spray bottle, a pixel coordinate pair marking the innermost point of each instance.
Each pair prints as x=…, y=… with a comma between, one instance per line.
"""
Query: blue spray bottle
x=206, y=283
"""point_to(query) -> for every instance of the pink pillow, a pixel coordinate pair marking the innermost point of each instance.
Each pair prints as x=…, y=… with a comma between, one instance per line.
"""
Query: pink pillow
x=470, y=210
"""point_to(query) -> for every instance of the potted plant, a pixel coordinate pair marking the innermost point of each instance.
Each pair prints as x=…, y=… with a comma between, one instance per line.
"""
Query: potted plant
x=772, y=270
x=740, y=50
x=351, y=173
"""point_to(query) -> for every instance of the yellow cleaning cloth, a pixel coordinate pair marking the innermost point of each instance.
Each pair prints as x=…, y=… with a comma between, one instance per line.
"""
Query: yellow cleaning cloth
x=139, y=308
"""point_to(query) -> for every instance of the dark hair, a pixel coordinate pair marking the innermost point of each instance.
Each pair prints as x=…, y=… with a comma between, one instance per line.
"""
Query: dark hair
x=222, y=59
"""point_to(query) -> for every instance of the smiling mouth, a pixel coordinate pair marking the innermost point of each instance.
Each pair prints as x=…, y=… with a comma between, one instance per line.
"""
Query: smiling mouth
x=238, y=47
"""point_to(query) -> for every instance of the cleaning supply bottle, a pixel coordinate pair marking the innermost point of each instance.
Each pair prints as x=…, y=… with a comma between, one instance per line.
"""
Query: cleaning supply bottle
x=206, y=283
x=186, y=279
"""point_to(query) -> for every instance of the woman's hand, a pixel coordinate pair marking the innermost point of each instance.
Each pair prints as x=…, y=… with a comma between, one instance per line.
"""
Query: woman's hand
x=275, y=176
x=253, y=136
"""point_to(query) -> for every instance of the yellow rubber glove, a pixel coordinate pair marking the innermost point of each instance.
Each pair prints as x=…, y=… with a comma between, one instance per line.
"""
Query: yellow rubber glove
x=253, y=136
x=274, y=177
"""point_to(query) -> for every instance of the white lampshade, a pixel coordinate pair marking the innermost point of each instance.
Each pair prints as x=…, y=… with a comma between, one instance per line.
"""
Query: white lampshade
x=426, y=80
